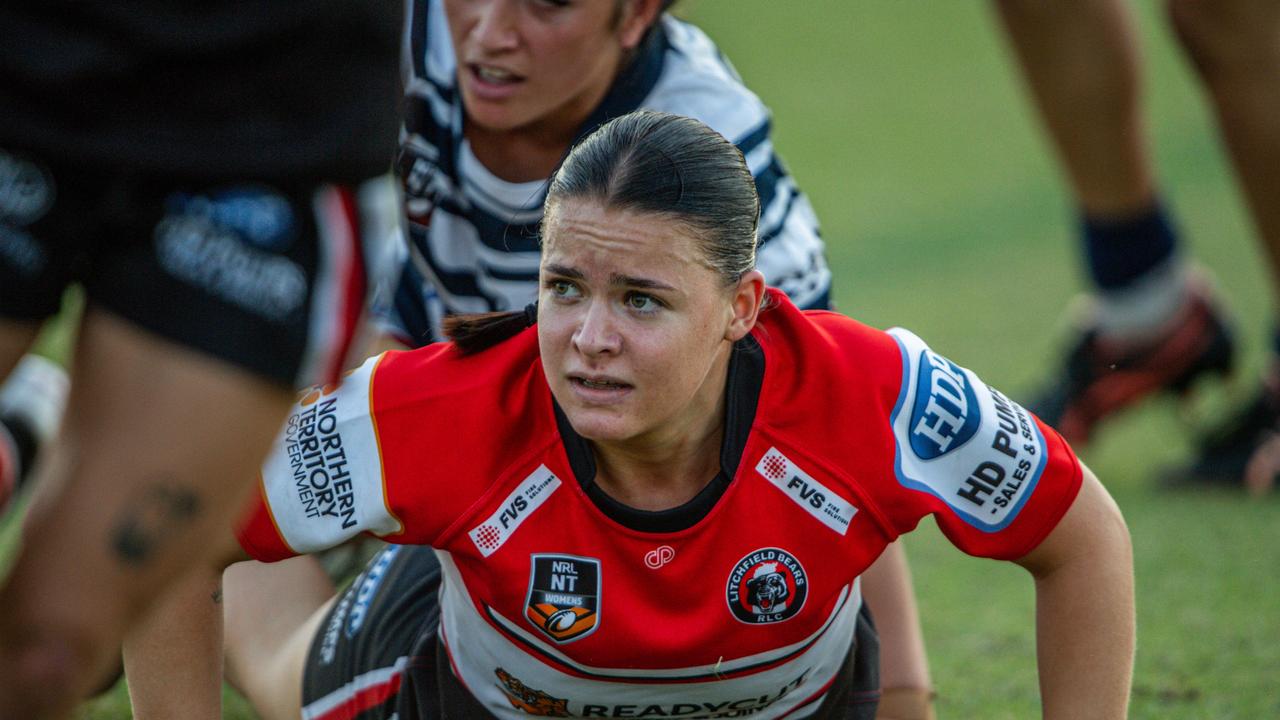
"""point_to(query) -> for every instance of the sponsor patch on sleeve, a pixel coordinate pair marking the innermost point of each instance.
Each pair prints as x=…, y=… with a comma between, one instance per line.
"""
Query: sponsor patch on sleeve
x=323, y=478
x=962, y=441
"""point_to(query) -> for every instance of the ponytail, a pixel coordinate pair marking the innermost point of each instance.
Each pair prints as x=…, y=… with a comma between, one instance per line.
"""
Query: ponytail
x=475, y=332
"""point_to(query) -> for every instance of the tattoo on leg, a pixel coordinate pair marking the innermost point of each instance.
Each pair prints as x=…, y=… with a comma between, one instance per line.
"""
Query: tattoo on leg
x=155, y=514
x=216, y=595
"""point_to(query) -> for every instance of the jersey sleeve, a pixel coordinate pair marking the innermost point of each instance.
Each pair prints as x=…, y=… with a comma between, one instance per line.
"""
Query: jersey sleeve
x=323, y=481
x=996, y=478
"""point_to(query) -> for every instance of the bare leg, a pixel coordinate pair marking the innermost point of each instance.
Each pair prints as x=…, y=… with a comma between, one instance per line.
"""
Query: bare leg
x=273, y=612
x=159, y=445
x=1235, y=47
x=1082, y=66
x=904, y=666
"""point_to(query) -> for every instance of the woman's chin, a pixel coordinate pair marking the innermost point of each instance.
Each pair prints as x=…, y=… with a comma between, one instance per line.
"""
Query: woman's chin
x=601, y=426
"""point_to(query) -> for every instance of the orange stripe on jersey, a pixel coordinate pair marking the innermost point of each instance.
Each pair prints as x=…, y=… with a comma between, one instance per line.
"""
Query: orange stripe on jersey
x=266, y=504
x=377, y=439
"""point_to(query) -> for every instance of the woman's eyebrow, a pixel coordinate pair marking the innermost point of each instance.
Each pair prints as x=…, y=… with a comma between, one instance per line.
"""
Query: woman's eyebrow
x=615, y=279
x=632, y=281
x=566, y=271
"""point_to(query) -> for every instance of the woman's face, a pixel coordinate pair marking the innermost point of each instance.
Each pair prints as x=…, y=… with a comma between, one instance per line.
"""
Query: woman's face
x=522, y=62
x=635, y=328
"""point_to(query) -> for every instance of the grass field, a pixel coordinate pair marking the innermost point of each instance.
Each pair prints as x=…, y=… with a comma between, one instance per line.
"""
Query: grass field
x=944, y=212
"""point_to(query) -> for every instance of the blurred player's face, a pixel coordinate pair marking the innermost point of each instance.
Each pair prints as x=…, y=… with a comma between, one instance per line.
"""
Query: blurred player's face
x=526, y=62
x=635, y=327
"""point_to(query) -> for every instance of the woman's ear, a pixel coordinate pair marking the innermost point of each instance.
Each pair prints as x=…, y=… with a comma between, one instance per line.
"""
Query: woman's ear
x=637, y=17
x=748, y=294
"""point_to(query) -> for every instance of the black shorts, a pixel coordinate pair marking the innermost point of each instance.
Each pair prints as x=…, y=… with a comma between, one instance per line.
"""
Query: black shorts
x=270, y=275
x=377, y=656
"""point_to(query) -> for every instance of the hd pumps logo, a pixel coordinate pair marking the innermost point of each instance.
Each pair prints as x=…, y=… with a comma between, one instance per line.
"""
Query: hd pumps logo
x=946, y=413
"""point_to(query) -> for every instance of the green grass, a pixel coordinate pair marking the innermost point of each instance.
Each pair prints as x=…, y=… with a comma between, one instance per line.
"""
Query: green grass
x=945, y=213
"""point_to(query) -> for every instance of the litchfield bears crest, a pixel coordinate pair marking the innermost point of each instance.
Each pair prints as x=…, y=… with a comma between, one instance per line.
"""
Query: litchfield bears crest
x=766, y=586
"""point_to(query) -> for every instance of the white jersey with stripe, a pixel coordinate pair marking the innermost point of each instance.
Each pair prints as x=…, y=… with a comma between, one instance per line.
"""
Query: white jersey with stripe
x=472, y=237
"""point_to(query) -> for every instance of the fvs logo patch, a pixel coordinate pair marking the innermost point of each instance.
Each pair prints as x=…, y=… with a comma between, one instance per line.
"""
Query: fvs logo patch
x=767, y=586
x=820, y=501
x=564, y=596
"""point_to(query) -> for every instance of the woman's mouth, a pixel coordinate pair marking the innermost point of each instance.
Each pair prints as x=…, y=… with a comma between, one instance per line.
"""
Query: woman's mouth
x=599, y=388
x=494, y=75
x=491, y=83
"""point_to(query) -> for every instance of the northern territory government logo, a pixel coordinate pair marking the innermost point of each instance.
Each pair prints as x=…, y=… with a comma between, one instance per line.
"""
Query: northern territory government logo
x=564, y=596
x=767, y=586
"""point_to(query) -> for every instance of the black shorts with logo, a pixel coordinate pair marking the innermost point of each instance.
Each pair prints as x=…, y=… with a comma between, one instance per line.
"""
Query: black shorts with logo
x=271, y=276
x=377, y=653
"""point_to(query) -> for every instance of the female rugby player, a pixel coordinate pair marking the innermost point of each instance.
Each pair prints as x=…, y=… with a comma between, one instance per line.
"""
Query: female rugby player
x=658, y=501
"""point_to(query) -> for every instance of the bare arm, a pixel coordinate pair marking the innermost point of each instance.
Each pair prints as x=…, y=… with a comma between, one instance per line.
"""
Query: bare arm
x=173, y=659
x=1085, y=610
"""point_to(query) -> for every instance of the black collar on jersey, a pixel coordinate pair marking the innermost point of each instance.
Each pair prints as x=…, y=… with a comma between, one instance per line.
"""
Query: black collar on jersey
x=742, y=395
x=633, y=84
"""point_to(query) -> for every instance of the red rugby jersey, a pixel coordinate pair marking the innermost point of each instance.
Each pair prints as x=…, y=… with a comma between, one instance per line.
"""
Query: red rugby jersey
x=847, y=437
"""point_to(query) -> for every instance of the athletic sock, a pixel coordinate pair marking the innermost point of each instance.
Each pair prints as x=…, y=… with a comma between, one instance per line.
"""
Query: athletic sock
x=18, y=449
x=32, y=401
x=1271, y=371
x=1140, y=278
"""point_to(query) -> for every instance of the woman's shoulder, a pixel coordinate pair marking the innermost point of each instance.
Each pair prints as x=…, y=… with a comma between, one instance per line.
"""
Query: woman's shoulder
x=824, y=337
x=438, y=386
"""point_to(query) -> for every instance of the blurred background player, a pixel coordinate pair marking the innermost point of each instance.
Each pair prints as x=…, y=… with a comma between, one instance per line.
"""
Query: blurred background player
x=205, y=172
x=1152, y=325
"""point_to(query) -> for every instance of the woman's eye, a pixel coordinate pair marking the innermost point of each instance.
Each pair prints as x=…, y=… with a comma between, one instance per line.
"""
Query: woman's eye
x=642, y=302
x=562, y=288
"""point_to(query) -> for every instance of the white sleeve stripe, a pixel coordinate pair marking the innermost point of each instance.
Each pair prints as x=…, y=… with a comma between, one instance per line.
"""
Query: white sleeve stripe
x=366, y=681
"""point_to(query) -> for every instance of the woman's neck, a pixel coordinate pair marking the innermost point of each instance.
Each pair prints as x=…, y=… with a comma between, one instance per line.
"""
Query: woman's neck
x=521, y=155
x=658, y=480
x=668, y=467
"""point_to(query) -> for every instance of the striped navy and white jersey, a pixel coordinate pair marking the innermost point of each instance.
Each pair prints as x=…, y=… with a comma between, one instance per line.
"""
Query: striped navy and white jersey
x=473, y=238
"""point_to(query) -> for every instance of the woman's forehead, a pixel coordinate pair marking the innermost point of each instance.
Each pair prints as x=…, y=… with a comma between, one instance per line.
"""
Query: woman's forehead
x=574, y=227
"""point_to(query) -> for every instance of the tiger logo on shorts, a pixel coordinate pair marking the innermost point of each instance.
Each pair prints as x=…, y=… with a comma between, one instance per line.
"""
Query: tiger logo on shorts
x=533, y=702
